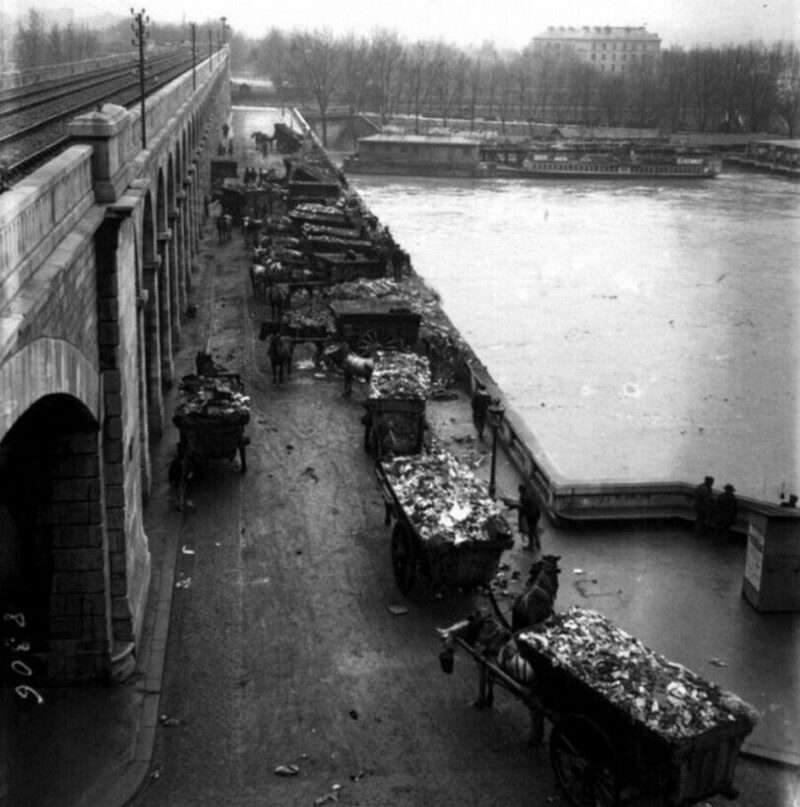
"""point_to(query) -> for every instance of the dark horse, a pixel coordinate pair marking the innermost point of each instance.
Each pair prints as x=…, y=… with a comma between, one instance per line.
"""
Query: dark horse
x=280, y=349
x=278, y=299
x=490, y=634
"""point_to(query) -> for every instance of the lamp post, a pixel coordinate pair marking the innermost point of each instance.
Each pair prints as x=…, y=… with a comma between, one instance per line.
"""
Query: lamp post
x=193, y=29
x=140, y=36
x=495, y=417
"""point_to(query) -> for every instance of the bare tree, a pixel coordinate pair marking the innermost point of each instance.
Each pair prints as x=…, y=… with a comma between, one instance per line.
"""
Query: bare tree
x=787, y=96
x=356, y=65
x=30, y=44
x=387, y=55
x=419, y=78
x=316, y=62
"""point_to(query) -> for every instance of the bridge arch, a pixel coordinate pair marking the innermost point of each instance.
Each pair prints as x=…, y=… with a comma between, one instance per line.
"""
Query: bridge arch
x=53, y=554
x=99, y=243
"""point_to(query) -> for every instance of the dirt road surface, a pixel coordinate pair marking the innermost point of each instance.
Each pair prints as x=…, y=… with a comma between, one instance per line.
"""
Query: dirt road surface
x=282, y=648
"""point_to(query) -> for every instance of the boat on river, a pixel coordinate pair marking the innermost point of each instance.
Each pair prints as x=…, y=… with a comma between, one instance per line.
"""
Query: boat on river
x=470, y=157
x=584, y=159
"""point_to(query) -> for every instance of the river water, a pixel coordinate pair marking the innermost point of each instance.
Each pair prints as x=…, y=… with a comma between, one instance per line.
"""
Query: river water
x=642, y=331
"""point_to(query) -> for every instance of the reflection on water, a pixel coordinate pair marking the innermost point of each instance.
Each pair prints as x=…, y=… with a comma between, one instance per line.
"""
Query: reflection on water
x=642, y=331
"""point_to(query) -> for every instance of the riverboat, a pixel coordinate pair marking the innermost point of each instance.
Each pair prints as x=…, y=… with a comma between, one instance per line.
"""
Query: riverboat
x=466, y=157
x=771, y=156
x=585, y=159
x=435, y=155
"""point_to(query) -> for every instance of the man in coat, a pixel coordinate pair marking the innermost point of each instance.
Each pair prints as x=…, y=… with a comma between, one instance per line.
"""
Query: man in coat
x=703, y=497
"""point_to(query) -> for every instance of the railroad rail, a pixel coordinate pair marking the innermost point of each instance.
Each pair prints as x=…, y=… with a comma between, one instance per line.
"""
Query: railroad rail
x=34, y=118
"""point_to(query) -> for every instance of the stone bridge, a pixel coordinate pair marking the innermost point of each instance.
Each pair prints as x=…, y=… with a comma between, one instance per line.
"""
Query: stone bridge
x=96, y=256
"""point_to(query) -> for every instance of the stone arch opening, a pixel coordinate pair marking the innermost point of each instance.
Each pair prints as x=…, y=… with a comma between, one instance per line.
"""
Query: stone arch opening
x=53, y=567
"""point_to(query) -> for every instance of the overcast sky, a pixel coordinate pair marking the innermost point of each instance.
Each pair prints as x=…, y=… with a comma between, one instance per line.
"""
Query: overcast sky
x=509, y=23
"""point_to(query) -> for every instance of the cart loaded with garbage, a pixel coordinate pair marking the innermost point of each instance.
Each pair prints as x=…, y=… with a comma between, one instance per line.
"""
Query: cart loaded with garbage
x=399, y=388
x=211, y=416
x=447, y=528
x=629, y=727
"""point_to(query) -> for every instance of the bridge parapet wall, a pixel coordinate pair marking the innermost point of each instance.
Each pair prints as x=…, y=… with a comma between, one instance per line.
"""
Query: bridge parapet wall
x=37, y=216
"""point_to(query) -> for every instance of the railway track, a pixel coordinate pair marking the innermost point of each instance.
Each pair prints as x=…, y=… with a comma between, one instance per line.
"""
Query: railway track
x=34, y=119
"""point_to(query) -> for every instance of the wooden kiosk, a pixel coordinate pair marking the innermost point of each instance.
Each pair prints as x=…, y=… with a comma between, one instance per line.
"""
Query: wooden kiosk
x=772, y=568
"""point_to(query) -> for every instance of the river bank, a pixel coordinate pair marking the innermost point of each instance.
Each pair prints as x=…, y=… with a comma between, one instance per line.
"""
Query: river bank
x=592, y=497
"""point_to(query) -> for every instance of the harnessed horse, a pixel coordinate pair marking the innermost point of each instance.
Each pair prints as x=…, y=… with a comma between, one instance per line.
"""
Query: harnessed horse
x=280, y=349
x=278, y=299
x=352, y=365
x=496, y=640
x=224, y=228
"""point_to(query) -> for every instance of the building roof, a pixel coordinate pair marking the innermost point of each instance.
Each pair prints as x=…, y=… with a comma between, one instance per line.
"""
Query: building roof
x=419, y=139
x=632, y=33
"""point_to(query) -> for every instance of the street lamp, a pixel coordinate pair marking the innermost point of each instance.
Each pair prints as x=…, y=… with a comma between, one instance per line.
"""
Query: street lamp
x=140, y=37
x=495, y=417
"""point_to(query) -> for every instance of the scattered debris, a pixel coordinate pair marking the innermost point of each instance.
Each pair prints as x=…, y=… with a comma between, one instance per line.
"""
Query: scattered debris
x=718, y=662
x=186, y=550
x=364, y=772
x=354, y=714
x=184, y=582
x=287, y=770
x=168, y=722
x=398, y=610
x=577, y=571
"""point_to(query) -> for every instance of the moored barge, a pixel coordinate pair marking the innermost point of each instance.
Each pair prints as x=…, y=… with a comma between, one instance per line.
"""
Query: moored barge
x=468, y=157
x=583, y=159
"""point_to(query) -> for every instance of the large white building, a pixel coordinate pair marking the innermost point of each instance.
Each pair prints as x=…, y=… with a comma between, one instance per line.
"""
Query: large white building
x=609, y=49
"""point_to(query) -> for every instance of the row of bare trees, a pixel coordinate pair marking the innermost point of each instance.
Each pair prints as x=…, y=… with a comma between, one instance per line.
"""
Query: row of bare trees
x=750, y=88
x=37, y=44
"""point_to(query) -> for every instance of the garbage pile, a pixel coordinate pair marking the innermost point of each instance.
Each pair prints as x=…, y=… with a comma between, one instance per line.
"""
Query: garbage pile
x=363, y=289
x=319, y=213
x=442, y=498
x=218, y=398
x=400, y=376
x=668, y=698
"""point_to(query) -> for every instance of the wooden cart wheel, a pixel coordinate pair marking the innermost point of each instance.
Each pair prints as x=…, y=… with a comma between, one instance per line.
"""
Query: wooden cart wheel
x=584, y=762
x=368, y=343
x=404, y=558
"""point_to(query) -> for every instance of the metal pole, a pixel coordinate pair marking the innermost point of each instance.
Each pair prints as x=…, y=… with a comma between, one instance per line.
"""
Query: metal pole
x=494, y=463
x=193, y=27
x=140, y=35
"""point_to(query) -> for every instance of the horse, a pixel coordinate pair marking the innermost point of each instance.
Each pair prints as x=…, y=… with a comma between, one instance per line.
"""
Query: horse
x=489, y=634
x=250, y=229
x=535, y=603
x=280, y=349
x=258, y=279
x=352, y=365
x=224, y=228
x=278, y=299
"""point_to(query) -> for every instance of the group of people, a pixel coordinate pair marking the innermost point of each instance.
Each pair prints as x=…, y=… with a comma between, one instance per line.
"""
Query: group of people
x=715, y=515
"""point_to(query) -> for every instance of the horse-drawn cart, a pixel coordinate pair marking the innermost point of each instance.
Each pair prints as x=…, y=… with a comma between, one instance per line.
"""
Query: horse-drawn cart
x=210, y=416
x=628, y=726
x=447, y=528
x=369, y=325
x=398, y=391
